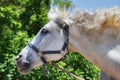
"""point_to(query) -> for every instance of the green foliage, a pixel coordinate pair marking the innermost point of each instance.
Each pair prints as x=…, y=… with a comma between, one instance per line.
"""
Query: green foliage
x=34, y=16
x=19, y=21
x=63, y=3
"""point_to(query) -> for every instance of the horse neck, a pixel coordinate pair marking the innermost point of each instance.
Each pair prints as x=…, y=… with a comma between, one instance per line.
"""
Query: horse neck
x=79, y=42
x=97, y=48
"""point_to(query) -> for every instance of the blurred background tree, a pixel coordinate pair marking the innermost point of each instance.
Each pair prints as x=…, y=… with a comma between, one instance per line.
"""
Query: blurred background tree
x=62, y=3
x=20, y=20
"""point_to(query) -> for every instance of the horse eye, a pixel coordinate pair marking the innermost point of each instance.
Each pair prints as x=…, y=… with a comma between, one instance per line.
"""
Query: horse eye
x=44, y=31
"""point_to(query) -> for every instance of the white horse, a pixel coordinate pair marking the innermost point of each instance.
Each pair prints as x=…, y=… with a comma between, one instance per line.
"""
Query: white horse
x=95, y=35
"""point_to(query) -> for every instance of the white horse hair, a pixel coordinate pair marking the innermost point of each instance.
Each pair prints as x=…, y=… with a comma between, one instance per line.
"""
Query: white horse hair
x=98, y=21
x=95, y=35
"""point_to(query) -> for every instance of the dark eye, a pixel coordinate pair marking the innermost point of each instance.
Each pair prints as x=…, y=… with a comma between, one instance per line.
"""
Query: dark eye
x=44, y=31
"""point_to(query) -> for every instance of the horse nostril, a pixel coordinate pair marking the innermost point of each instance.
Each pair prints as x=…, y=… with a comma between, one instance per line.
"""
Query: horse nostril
x=18, y=57
x=26, y=64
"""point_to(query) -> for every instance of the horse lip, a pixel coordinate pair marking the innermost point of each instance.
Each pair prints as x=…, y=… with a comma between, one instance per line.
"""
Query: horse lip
x=23, y=69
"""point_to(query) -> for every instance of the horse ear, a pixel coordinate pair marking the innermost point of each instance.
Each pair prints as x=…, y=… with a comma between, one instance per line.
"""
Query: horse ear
x=68, y=22
x=62, y=24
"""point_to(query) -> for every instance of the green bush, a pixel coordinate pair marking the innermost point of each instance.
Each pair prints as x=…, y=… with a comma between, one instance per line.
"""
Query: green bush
x=19, y=22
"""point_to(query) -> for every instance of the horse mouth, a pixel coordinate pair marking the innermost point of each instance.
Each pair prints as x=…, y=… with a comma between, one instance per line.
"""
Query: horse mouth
x=24, y=69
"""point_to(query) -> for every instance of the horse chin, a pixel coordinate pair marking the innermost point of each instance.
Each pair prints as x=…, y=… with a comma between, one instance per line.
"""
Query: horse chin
x=24, y=70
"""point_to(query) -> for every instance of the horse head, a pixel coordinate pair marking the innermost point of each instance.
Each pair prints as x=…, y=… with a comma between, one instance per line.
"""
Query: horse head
x=50, y=44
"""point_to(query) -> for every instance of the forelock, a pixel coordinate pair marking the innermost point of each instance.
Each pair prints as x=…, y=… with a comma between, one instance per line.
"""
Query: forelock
x=57, y=12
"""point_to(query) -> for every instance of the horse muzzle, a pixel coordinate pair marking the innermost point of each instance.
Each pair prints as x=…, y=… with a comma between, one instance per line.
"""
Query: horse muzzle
x=23, y=66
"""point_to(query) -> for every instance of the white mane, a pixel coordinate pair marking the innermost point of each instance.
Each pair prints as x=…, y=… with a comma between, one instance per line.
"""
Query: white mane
x=99, y=21
x=58, y=13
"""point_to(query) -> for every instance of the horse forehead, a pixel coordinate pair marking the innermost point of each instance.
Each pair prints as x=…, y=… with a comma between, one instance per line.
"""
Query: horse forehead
x=51, y=25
